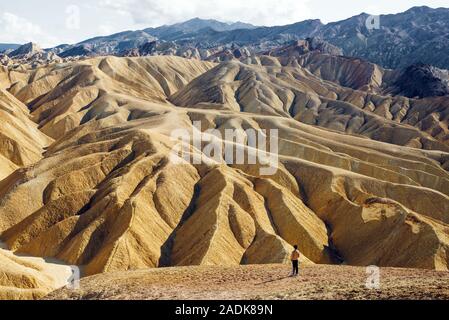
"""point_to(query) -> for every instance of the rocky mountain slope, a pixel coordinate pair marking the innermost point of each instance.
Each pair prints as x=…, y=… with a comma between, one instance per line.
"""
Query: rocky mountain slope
x=421, y=80
x=416, y=35
x=123, y=42
x=363, y=176
x=195, y=25
x=8, y=47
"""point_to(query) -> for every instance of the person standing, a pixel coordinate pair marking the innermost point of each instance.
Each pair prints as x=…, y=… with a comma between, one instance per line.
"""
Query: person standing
x=295, y=261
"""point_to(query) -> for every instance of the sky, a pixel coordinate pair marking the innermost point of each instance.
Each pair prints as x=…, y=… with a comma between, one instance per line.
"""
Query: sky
x=54, y=22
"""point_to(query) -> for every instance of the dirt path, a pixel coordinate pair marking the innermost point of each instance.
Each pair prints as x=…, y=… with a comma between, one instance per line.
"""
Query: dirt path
x=260, y=282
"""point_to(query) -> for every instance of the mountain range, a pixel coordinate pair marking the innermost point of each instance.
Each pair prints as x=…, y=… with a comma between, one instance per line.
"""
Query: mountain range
x=8, y=46
x=418, y=35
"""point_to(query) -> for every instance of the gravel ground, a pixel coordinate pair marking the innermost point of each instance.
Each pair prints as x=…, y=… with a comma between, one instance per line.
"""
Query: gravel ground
x=260, y=282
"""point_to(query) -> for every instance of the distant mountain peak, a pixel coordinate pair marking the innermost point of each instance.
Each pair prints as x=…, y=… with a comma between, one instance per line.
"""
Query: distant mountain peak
x=28, y=48
x=419, y=9
x=8, y=47
x=196, y=24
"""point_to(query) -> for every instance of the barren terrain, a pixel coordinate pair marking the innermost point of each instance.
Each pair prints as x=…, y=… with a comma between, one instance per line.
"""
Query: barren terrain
x=260, y=282
x=89, y=175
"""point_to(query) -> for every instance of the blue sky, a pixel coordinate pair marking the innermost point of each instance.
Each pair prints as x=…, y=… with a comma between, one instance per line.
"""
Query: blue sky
x=54, y=22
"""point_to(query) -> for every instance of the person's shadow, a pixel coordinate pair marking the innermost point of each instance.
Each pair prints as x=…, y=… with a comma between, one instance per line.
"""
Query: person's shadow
x=273, y=280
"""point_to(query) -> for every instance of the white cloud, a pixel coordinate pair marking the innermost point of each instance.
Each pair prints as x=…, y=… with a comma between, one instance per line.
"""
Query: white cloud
x=119, y=6
x=106, y=29
x=259, y=12
x=15, y=29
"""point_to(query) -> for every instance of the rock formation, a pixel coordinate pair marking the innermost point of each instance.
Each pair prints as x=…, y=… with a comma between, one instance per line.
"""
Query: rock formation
x=421, y=81
x=27, y=49
x=29, y=54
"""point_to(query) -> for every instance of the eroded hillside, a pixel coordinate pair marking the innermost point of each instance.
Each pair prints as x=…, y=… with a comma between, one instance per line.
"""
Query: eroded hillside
x=363, y=177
